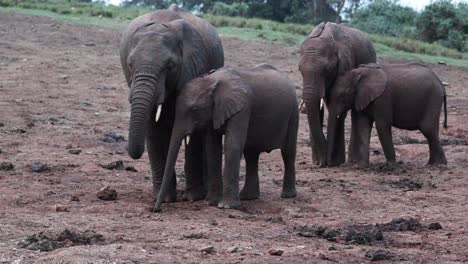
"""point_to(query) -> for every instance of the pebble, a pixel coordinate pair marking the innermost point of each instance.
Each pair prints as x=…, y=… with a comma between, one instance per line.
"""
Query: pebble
x=207, y=249
x=37, y=166
x=275, y=252
x=74, y=151
x=61, y=208
x=107, y=194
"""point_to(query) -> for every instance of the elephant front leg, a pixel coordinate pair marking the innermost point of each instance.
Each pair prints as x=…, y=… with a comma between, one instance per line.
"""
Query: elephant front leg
x=359, y=144
x=157, y=144
x=251, y=188
x=194, y=164
x=214, y=155
x=384, y=131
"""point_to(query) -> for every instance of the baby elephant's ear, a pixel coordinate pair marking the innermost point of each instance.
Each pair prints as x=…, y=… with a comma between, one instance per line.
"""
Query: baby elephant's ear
x=230, y=97
x=370, y=84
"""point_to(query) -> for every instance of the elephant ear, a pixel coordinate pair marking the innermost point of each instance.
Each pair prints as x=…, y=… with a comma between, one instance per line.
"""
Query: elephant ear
x=345, y=60
x=317, y=30
x=230, y=97
x=371, y=82
x=191, y=47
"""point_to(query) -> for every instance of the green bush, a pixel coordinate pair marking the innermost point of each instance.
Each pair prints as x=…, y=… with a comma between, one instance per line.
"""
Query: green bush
x=386, y=17
x=235, y=9
x=443, y=21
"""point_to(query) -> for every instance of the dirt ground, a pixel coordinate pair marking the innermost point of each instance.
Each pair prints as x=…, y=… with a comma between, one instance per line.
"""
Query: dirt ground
x=62, y=92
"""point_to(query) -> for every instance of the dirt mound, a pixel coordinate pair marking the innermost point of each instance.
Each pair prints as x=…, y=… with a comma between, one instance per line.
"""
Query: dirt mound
x=66, y=238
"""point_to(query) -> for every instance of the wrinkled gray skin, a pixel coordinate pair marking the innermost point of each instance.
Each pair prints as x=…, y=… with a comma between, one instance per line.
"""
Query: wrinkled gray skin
x=407, y=96
x=256, y=110
x=160, y=52
x=330, y=50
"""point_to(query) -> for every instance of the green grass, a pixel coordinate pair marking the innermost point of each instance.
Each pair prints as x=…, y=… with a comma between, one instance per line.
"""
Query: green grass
x=232, y=27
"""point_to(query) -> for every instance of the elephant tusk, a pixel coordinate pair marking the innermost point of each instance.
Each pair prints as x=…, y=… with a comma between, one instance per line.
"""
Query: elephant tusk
x=301, y=104
x=158, y=113
x=338, y=116
x=187, y=140
x=321, y=103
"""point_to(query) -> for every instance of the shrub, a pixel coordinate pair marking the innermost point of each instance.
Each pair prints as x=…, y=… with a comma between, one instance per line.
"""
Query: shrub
x=235, y=9
x=441, y=21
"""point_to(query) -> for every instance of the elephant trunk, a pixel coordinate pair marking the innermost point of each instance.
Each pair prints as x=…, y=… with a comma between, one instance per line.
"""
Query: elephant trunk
x=147, y=93
x=312, y=96
x=174, y=146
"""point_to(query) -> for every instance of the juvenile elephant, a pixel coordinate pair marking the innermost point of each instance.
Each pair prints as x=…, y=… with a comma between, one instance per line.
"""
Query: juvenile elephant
x=329, y=51
x=256, y=110
x=407, y=96
x=160, y=52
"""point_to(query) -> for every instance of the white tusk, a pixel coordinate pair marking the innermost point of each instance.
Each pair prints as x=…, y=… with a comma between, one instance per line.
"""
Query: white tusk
x=321, y=103
x=187, y=140
x=158, y=113
x=222, y=140
x=338, y=116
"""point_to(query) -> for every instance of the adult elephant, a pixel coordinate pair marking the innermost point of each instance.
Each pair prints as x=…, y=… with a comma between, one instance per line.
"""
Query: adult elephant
x=160, y=52
x=329, y=51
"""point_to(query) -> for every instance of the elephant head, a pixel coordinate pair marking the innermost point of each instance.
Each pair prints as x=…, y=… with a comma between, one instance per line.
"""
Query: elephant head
x=204, y=103
x=158, y=63
x=321, y=60
x=355, y=89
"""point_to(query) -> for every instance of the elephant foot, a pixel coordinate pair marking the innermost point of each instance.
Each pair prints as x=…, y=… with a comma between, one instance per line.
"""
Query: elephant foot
x=229, y=204
x=170, y=197
x=195, y=194
x=249, y=194
x=437, y=162
x=212, y=199
x=290, y=193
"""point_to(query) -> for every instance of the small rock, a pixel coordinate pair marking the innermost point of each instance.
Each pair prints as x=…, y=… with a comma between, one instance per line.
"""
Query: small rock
x=61, y=208
x=379, y=254
x=37, y=166
x=131, y=168
x=116, y=165
x=107, y=194
x=275, y=252
x=442, y=63
x=435, y=226
x=207, y=250
x=332, y=247
x=112, y=137
x=6, y=166
x=233, y=249
x=74, y=151
x=74, y=198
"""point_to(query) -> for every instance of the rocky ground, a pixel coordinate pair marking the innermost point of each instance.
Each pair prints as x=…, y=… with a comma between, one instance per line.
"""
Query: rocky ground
x=63, y=130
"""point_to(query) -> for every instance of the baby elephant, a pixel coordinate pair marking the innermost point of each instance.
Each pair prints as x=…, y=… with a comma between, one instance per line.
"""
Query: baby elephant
x=256, y=110
x=407, y=96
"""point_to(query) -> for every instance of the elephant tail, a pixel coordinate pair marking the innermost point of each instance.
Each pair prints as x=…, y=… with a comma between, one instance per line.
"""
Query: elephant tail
x=445, y=109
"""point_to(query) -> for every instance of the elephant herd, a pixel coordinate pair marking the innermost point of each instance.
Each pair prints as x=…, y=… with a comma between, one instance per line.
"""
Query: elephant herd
x=180, y=92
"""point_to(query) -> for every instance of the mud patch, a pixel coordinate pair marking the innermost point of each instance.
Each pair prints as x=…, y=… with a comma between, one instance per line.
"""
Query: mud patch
x=380, y=254
x=6, y=166
x=406, y=184
x=364, y=235
x=66, y=238
x=324, y=232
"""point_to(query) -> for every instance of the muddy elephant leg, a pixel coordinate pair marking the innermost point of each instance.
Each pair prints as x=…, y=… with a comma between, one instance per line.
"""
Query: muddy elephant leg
x=384, y=131
x=338, y=155
x=194, y=164
x=157, y=144
x=317, y=139
x=362, y=128
x=288, y=153
x=436, y=153
x=251, y=188
x=214, y=157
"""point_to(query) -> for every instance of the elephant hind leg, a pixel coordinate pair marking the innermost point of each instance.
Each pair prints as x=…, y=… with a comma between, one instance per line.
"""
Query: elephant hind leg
x=251, y=189
x=436, y=153
x=288, y=152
